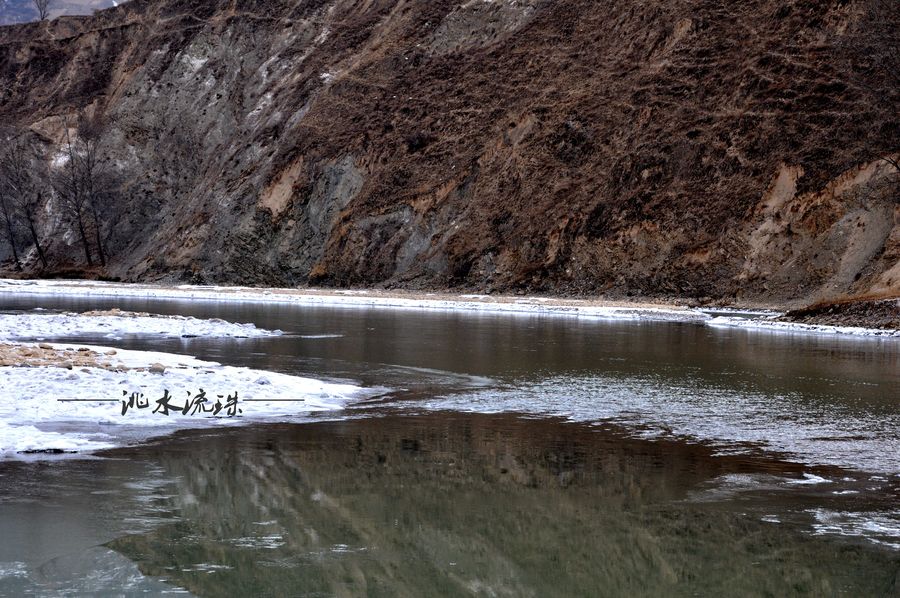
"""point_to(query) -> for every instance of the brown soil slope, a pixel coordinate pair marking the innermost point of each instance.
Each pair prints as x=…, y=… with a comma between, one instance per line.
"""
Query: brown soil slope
x=654, y=147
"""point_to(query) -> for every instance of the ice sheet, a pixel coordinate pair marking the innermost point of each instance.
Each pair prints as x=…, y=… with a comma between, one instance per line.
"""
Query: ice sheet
x=40, y=325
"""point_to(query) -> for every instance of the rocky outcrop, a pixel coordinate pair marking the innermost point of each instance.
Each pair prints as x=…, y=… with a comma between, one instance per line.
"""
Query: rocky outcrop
x=684, y=148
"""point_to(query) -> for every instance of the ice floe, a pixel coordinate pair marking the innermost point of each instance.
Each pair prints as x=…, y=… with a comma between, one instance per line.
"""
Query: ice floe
x=769, y=324
x=61, y=398
x=43, y=398
x=733, y=421
x=115, y=324
x=880, y=527
x=55, y=393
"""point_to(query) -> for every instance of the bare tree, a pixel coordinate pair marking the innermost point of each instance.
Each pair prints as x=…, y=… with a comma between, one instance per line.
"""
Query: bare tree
x=6, y=211
x=43, y=8
x=85, y=182
x=94, y=173
x=69, y=185
x=21, y=182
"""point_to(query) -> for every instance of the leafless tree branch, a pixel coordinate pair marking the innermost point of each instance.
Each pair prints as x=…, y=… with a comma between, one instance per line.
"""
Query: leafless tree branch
x=43, y=8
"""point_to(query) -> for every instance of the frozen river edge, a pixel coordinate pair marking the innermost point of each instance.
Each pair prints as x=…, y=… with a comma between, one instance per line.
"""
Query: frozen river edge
x=71, y=397
x=763, y=321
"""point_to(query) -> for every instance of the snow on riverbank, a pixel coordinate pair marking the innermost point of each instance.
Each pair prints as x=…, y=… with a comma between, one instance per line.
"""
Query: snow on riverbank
x=69, y=398
x=115, y=324
x=42, y=398
x=759, y=320
x=769, y=324
x=362, y=298
x=47, y=386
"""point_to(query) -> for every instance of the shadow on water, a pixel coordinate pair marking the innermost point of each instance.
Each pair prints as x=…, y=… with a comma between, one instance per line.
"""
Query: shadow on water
x=457, y=505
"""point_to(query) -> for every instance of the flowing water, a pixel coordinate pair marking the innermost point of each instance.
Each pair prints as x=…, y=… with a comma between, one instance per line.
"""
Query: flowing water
x=509, y=456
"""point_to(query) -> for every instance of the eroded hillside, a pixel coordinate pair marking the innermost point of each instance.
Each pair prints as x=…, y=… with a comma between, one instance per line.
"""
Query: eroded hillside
x=663, y=148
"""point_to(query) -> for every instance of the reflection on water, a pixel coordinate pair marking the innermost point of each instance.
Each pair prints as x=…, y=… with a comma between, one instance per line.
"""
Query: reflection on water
x=454, y=504
x=448, y=503
x=55, y=516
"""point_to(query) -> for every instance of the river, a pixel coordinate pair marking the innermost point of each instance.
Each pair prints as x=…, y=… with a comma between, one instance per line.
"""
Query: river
x=514, y=455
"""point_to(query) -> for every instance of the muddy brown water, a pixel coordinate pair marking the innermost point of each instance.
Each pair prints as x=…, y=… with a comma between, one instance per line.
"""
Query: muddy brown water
x=509, y=456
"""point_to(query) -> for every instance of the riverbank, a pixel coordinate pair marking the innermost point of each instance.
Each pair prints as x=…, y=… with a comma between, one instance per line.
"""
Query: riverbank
x=881, y=313
x=363, y=298
x=757, y=317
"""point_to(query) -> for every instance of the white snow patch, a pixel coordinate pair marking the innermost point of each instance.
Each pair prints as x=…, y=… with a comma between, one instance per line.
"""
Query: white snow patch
x=264, y=102
x=731, y=311
x=17, y=439
x=771, y=325
x=809, y=479
x=43, y=398
x=194, y=63
x=259, y=542
x=206, y=568
x=881, y=528
x=525, y=306
x=59, y=160
x=40, y=325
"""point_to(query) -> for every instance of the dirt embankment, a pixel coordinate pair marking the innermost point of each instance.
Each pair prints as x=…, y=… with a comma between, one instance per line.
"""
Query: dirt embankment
x=884, y=313
x=717, y=152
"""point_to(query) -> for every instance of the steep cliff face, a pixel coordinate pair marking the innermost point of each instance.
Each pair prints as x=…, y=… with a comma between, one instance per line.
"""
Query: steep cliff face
x=682, y=148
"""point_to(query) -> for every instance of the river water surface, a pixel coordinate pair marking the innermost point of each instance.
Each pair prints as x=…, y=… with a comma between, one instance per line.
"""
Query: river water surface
x=509, y=455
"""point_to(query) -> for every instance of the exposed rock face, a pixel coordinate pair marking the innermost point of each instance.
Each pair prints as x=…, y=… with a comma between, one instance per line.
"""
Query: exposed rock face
x=655, y=147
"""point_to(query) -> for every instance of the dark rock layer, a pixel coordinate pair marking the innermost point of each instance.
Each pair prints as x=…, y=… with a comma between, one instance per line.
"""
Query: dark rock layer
x=865, y=314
